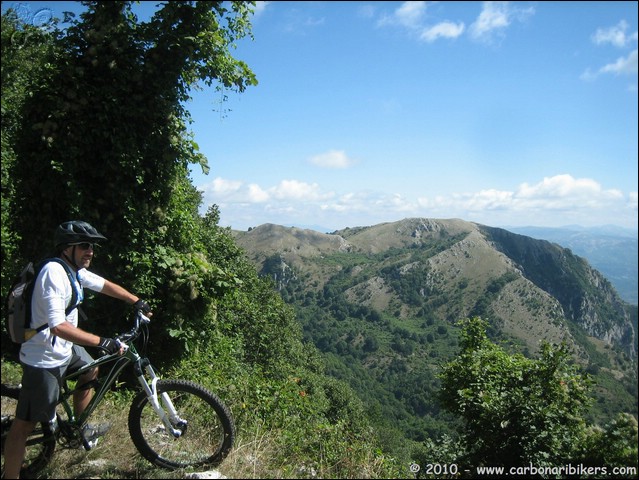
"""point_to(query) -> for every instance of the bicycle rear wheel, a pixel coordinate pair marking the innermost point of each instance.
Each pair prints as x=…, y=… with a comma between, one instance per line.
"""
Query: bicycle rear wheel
x=206, y=424
x=41, y=442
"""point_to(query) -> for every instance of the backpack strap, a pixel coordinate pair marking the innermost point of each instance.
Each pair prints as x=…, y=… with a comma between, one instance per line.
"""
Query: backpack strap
x=74, y=294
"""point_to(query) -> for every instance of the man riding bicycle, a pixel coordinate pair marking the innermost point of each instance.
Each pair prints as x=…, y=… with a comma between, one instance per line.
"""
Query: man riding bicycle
x=58, y=349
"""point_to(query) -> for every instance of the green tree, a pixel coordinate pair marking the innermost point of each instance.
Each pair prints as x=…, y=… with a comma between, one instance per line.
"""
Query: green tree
x=614, y=445
x=516, y=411
x=103, y=136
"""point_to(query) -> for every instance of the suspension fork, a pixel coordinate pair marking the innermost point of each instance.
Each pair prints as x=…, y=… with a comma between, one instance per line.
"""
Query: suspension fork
x=150, y=388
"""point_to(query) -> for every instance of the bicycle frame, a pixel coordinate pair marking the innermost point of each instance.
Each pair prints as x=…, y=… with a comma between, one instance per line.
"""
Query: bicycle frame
x=102, y=386
x=141, y=366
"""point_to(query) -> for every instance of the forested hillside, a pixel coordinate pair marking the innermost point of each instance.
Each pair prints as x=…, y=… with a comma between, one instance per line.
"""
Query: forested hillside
x=382, y=303
x=611, y=250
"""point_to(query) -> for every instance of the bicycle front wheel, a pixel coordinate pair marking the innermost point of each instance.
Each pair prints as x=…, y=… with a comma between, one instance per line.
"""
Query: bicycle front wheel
x=204, y=426
x=40, y=444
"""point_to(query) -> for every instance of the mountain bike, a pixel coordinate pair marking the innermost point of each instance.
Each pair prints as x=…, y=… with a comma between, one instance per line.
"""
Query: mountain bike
x=173, y=423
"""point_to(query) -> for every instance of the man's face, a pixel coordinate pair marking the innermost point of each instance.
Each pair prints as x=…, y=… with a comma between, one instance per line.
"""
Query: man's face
x=81, y=253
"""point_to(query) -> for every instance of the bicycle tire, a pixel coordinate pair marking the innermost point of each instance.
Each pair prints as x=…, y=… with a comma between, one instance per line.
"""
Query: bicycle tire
x=207, y=438
x=40, y=444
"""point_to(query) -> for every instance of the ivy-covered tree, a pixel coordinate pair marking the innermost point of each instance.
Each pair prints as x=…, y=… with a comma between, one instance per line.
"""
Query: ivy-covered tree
x=103, y=136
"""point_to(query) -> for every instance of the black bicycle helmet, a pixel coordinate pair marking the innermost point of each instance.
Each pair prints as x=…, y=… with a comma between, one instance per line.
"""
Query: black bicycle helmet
x=76, y=232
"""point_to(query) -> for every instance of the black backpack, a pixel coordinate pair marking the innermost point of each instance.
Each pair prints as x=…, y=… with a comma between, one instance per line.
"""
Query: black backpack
x=18, y=301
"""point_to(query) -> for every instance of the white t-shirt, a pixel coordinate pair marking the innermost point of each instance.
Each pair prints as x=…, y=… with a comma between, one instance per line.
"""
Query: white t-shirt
x=52, y=294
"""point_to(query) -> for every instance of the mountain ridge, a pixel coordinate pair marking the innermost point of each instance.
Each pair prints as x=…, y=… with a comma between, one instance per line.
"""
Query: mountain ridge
x=297, y=244
x=611, y=249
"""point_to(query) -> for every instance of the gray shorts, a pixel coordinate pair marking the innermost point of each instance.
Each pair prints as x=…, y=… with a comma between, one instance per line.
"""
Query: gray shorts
x=41, y=387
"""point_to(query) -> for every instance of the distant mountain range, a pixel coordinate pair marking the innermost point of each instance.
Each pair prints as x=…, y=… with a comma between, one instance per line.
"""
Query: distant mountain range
x=382, y=304
x=611, y=249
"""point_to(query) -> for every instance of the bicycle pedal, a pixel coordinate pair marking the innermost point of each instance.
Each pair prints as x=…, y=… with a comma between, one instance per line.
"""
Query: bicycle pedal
x=72, y=444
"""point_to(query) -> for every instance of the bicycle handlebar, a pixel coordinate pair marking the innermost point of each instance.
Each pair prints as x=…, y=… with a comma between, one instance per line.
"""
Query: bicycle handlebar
x=140, y=320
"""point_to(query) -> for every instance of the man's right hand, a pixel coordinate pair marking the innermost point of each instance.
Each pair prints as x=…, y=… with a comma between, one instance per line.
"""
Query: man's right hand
x=142, y=305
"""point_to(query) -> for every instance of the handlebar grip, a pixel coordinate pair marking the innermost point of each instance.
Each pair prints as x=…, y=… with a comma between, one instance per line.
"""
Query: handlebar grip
x=140, y=319
x=127, y=337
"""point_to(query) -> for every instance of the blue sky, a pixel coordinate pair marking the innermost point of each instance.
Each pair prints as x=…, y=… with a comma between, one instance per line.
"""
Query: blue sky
x=505, y=114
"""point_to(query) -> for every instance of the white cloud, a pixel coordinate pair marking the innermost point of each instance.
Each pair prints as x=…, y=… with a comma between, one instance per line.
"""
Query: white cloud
x=495, y=17
x=561, y=192
x=614, y=35
x=296, y=190
x=332, y=159
x=409, y=15
x=560, y=186
x=622, y=66
x=396, y=203
x=627, y=65
x=617, y=37
x=256, y=194
x=444, y=30
x=553, y=201
x=223, y=187
x=490, y=200
x=233, y=191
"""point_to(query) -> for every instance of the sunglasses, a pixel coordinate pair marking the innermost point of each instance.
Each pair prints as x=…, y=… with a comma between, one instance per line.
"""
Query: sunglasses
x=84, y=245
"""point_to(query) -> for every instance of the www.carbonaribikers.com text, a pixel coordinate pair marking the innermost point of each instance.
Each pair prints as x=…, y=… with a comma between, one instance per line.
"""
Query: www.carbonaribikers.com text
x=559, y=471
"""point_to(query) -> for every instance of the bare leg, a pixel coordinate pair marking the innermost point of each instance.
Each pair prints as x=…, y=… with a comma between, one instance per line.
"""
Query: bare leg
x=14, y=447
x=82, y=398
